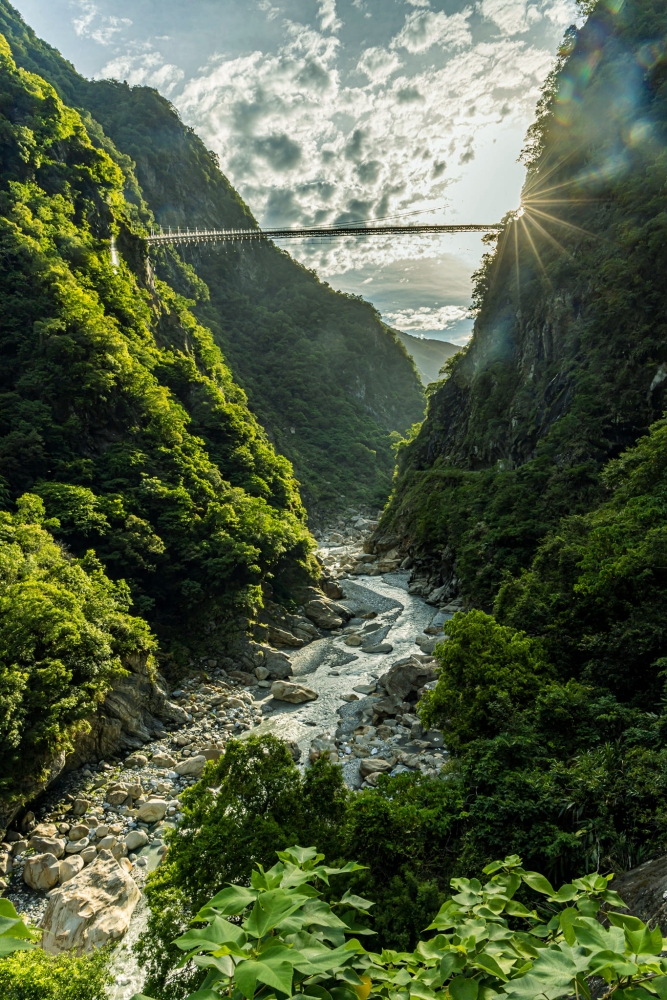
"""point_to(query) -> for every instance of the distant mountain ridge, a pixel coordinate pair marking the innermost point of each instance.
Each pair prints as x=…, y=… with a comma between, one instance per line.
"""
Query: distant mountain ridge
x=428, y=355
x=325, y=376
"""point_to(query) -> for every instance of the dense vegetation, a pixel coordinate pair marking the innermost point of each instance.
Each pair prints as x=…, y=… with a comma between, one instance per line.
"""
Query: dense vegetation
x=571, y=778
x=325, y=377
x=116, y=406
x=34, y=975
x=64, y=633
x=566, y=366
x=538, y=482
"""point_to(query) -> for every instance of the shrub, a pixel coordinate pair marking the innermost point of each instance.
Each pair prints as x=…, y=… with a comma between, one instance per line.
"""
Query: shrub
x=34, y=975
x=252, y=802
x=487, y=672
x=64, y=631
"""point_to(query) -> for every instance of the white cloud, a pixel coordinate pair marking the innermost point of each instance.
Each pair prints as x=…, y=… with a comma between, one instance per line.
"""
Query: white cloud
x=91, y=23
x=378, y=64
x=424, y=28
x=327, y=16
x=267, y=7
x=313, y=128
x=427, y=318
x=146, y=69
x=511, y=16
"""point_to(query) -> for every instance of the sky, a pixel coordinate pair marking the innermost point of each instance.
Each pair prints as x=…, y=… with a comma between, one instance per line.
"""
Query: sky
x=332, y=111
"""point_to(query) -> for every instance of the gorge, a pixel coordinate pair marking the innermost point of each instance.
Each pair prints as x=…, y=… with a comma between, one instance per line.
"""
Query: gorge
x=226, y=630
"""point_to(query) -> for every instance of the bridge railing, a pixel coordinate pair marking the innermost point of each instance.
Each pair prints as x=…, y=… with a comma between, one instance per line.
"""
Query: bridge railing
x=185, y=236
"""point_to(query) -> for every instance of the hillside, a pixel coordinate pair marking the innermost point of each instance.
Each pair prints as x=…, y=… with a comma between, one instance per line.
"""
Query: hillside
x=326, y=378
x=567, y=365
x=116, y=406
x=428, y=355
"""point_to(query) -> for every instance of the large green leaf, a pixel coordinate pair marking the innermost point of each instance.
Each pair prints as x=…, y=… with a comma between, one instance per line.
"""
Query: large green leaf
x=356, y=902
x=488, y=964
x=551, y=976
x=453, y=962
x=462, y=988
x=204, y=995
x=276, y=974
x=594, y=936
x=316, y=911
x=230, y=902
x=342, y=993
x=421, y=990
x=433, y=949
x=299, y=854
x=644, y=941
x=610, y=965
x=8, y=945
x=14, y=935
x=219, y=932
x=322, y=959
x=659, y=984
x=222, y=963
x=270, y=908
x=539, y=883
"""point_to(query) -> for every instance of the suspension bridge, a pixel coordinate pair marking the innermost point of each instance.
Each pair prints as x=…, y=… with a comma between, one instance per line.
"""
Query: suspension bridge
x=186, y=236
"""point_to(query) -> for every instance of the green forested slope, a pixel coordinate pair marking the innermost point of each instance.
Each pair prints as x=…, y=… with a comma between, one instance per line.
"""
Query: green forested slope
x=324, y=375
x=428, y=355
x=568, y=362
x=115, y=404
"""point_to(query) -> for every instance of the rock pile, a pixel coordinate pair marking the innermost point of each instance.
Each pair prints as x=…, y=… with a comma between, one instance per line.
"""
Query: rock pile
x=379, y=731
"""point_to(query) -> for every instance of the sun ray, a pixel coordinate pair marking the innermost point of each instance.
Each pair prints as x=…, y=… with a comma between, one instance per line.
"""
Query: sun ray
x=566, y=225
x=538, y=179
x=516, y=254
x=534, y=248
x=558, y=201
x=548, y=235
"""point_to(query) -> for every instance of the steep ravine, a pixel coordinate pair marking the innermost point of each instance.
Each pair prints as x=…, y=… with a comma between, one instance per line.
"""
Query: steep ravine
x=342, y=677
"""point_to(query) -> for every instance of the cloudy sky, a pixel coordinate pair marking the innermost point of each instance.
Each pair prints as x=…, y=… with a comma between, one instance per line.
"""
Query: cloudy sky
x=327, y=111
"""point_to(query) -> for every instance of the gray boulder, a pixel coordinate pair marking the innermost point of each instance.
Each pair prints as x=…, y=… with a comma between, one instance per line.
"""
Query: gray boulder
x=406, y=676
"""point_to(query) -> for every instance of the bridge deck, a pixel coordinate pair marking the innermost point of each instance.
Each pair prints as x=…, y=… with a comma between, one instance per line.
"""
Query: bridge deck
x=183, y=236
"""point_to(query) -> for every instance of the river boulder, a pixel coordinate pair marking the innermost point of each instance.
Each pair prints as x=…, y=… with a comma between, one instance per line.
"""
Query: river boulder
x=91, y=910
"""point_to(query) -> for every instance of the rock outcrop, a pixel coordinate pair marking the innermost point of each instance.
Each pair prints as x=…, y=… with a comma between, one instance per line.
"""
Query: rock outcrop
x=644, y=890
x=90, y=910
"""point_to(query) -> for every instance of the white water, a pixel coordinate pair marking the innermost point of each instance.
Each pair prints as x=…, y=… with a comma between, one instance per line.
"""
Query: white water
x=332, y=669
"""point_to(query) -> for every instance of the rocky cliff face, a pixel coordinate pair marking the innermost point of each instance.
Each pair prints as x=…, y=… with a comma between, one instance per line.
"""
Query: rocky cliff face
x=567, y=365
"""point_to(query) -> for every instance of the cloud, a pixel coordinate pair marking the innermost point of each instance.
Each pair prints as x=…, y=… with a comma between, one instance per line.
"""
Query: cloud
x=93, y=24
x=427, y=317
x=355, y=145
x=369, y=171
x=327, y=16
x=267, y=7
x=511, y=16
x=145, y=69
x=424, y=28
x=378, y=64
x=279, y=150
x=407, y=95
